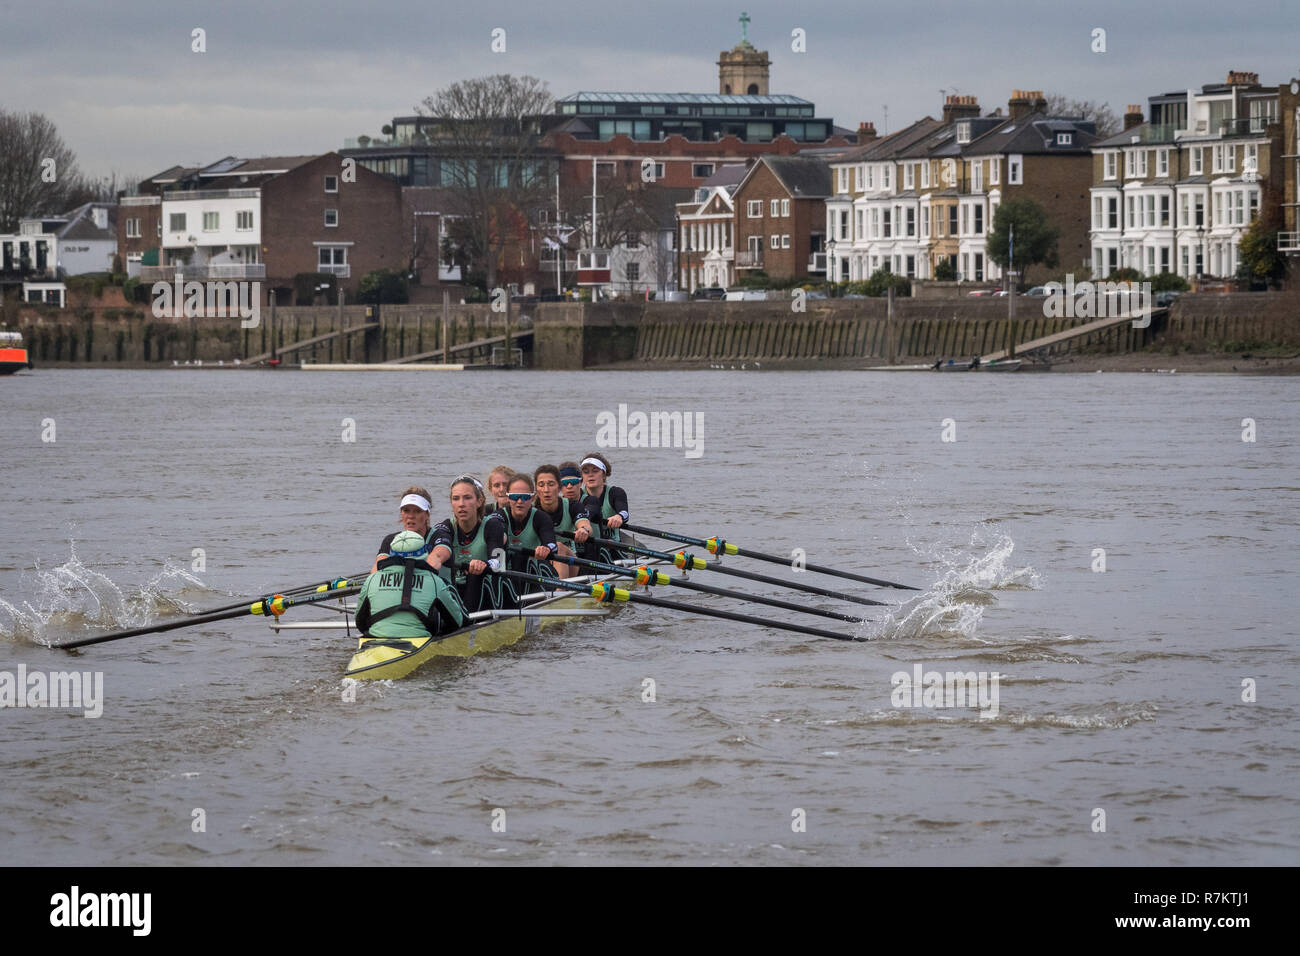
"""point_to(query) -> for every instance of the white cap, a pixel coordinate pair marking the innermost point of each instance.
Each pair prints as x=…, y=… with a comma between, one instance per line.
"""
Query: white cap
x=419, y=501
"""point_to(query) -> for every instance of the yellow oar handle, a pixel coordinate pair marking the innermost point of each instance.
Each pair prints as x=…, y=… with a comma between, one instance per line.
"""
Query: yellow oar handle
x=718, y=544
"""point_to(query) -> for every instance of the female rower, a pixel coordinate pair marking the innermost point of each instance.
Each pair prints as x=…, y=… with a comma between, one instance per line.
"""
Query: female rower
x=412, y=515
x=605, y=505
x=565, y=513
x=527, y=527
x=497, y=483
x=469, y=543
x=570, y=480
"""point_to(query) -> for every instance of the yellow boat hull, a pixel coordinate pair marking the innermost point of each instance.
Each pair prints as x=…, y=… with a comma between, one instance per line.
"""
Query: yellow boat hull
x=380, y=658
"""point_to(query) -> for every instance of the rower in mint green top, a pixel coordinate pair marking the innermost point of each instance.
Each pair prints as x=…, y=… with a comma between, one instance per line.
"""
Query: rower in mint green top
x=405, y=597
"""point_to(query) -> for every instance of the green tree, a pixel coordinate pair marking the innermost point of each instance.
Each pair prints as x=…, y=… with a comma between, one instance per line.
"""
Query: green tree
x=945, y=271
x=1035, y=236
x=382, y=286
x=1257, y=255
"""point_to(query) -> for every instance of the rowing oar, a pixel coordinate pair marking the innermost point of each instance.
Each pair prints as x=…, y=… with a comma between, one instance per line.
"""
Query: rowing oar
x=688, y=562
x=604, y=592
x=646, y=575
x=275, y=605
x=718, y=545
x=333, y=584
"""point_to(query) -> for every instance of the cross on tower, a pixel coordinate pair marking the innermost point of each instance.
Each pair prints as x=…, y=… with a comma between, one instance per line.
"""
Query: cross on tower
x=744, y=27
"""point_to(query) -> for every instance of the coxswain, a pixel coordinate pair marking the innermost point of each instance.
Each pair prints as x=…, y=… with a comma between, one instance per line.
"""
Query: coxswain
x=604, y=505
x=471, y=542
x=412, y=515
x=405, y=598
x=565, y=513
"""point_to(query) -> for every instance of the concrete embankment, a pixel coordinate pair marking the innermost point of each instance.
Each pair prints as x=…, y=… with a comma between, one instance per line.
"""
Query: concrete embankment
x=832, y=333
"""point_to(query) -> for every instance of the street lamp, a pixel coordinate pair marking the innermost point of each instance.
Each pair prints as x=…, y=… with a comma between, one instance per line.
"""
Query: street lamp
x=1200, y=254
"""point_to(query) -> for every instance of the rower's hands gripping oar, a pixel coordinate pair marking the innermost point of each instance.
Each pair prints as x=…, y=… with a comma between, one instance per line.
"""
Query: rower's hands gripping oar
x=270, y=605
x=688, y=562
x=606, y=592
x=646, y=575
x=716, y=545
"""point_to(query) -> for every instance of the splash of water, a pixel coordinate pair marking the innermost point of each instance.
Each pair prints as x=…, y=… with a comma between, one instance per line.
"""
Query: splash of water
x=72, y=597
x=954, y=605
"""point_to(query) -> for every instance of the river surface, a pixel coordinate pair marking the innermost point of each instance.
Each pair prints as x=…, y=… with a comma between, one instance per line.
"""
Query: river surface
x=1145, y=714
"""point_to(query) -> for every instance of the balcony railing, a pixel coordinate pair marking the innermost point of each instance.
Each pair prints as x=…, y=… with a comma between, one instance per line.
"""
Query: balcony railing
x=177, y=195
x=1243, y=126
x=140, y=200
x=252, y=270
x=1288, y=242
x=341, y=269
x=749, y=259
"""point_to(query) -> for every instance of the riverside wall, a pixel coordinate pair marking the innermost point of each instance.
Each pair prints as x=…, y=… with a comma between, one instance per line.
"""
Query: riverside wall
x=586, y=335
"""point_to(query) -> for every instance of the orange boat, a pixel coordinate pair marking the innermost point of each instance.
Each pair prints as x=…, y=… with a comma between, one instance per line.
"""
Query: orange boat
x=13, y=354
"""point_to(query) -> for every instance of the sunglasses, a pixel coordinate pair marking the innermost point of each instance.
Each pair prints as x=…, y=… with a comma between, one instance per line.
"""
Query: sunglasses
x=570, y=482
x=519, y=496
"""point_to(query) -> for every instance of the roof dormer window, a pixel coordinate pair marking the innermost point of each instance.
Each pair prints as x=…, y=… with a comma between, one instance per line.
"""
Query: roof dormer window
x=1064, y=139
x=963, y=132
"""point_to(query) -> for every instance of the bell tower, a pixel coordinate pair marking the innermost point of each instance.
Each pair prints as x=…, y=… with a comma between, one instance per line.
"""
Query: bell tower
x=742, y=69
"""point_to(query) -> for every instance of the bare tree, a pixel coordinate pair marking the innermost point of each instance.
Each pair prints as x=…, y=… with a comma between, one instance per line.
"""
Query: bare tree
x=31, y=185
x=488, y=130
x=1058, y=104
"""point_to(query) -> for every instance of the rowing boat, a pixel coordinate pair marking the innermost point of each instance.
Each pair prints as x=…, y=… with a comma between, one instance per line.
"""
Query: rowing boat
x=388, y=658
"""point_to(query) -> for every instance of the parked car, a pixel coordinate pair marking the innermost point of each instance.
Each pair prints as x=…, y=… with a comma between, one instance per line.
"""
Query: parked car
x=1166, y=299
x=985, y=292
x=746, y=295
x=1038, y=292
x=713, y=292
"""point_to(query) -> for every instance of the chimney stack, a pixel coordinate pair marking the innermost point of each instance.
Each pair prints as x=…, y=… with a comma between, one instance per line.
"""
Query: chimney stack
x=1025, y=101
x=866, y=132
x=1132, y=116
x=1242, y=78
x=957, y=107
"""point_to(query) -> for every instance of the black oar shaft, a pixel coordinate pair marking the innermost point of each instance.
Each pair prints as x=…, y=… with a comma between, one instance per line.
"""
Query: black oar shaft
x=738, y=573
x=703, y=588
x=289, y=592
x=204, y=618
x=761, y=556
x=692, y=609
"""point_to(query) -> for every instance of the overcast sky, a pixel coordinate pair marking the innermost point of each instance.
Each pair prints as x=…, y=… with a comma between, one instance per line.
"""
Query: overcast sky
x=120, y=81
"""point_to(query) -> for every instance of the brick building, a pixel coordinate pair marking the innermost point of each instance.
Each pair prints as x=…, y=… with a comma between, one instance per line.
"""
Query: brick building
x=780, y=216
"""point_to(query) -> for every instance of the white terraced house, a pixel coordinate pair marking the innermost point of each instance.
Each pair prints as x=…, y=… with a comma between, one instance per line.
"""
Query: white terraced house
x=706, y=227
x=1176, y=193
x=873, y=219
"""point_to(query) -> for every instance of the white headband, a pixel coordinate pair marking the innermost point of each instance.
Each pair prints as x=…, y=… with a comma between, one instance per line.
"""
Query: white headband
x=593, y=461
x=418, y=500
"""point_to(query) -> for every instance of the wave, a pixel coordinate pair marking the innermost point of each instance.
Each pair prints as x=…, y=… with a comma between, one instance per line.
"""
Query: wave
x=72, y=597
x=954, y=605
